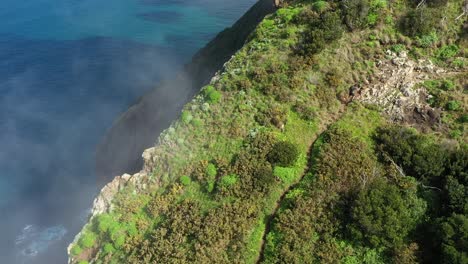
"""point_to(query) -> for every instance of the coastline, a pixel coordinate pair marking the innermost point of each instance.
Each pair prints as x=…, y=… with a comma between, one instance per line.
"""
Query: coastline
x=136, y=130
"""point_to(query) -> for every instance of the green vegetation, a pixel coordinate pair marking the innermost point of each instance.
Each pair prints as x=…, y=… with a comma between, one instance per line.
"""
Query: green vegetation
x=384, y=215
x=283, y=154
x=185, y=180
x=273, y=162
x=211, y=95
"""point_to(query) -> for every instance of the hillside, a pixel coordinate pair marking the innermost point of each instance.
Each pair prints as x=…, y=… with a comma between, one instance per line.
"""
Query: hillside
x=336, y=134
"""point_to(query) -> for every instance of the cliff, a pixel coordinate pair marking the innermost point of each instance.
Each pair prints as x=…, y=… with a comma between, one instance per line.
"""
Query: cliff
x=139, y=127
x=336, y=133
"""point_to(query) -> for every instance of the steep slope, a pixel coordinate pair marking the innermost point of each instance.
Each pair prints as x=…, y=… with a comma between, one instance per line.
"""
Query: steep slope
x=138, y=128
x=299, y=150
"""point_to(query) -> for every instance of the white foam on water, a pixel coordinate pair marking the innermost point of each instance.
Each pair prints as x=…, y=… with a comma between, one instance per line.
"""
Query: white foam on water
x=32, y=240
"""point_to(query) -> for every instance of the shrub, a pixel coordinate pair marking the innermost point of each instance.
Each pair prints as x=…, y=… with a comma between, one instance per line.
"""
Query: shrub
x=88, y=239
x=453, y=105
x=305, y=111
x=447, y=85
x=355, y=13
x=76, y=250
x=105, y=222
x=463, y=119
x=322, y=32
x=320, y=6
x=119, y=240
x=109, y=248
x=263, y=176
x=428, y=40
x=197, y=122
x=211, y=95
x=454, y=238
x=447, y=52
x=214, y=97
x=287, y=14
x=186, y=117
x=185, y=180
x=384, y=215
x=398, y=48
x=228, y=180
x=417, y=155
x=419, y=22
x=211, y=170
x=83, y=262
x=458, y=63
x=284, y=154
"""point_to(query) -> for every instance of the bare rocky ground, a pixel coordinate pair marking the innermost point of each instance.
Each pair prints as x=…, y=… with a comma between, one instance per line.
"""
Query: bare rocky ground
x=394, y=88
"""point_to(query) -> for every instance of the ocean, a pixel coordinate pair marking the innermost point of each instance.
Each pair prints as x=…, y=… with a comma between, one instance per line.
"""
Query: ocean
x=68, y=69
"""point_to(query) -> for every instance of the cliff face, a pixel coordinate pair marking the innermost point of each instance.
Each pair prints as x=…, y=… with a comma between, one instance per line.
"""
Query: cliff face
x=139, y=127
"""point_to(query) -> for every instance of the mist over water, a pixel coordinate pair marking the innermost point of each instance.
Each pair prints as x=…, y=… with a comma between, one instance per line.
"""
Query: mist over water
x=67, y=69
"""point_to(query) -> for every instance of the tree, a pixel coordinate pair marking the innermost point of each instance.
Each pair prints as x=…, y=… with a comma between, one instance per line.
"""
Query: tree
x=321, y=32
x=383, y=215
x=421, y=21
x=454, y=237
x=355, y=13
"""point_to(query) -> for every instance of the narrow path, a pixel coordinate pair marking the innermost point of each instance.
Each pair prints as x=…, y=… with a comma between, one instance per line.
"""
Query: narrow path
x=271, y=217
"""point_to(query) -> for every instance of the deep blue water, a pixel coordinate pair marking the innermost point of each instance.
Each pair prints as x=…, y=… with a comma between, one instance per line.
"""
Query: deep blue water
x=68, y=68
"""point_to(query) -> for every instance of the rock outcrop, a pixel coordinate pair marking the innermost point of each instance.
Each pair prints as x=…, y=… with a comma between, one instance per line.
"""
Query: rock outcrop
x=395, y=89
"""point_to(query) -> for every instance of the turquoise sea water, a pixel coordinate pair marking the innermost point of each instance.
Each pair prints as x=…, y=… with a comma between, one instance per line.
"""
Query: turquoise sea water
x=68, y=68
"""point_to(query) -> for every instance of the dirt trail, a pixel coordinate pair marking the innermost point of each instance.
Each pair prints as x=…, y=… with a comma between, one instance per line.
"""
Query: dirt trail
x=271, y=217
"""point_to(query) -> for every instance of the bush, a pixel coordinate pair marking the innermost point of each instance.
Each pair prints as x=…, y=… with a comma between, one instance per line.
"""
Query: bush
x=355, y=13
x=211, y=173
x=186, y=117
x=447, y=85
x=88, y=239
x=447, y=52
x=320, y=6
x=211, y=95
x=420, y=22
x=417, y=155
x=197, y=122
x=109, y=248
x=305, y=111
x=398, y=48
x=283, y=154
x=185, y=180
x=463, y=119
x=76, y=250
x=428, y=40
x=105, y=222
x=211, y=170
x=383, y=215
x=228, y=180
x=119, y=240
x=454, y=238
x=453, y=105
x=83, y=262
x=321, y=33
x=263, y=177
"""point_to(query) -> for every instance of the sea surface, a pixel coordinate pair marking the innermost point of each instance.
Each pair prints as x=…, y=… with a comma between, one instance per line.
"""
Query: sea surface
x=68, y=68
